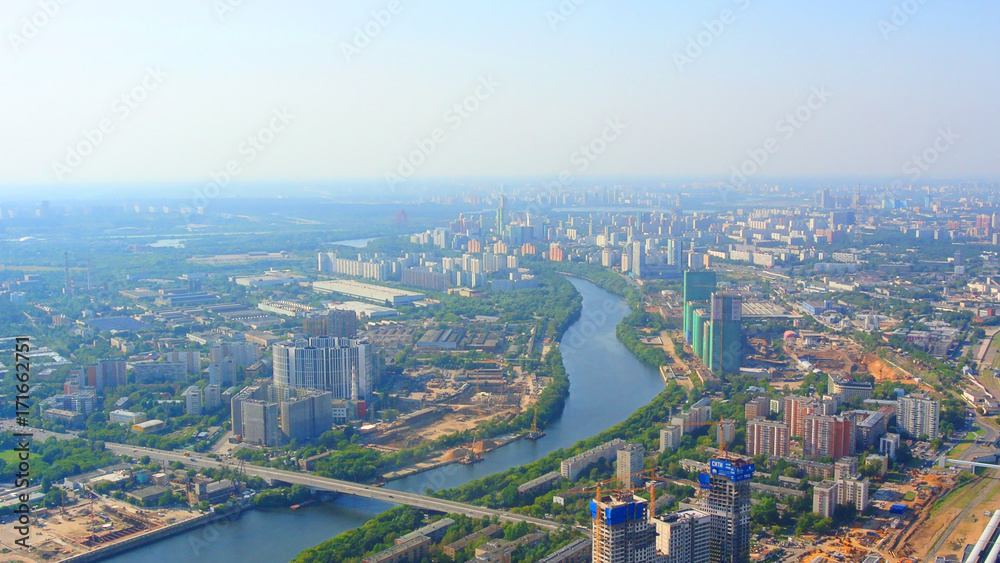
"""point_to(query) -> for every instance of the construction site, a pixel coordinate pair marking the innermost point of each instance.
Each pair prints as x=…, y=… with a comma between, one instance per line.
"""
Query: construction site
x=952, y=521
x=902, y=519
x=91, y=522
x=839, y=357
x=440, y=402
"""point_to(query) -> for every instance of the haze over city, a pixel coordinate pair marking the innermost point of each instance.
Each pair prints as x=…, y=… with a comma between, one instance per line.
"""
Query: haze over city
x=696, y=86
x=570, y=281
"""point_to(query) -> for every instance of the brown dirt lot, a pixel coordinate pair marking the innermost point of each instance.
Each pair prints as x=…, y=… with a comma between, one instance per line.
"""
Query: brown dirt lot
x=972, y=521
x=56, y=536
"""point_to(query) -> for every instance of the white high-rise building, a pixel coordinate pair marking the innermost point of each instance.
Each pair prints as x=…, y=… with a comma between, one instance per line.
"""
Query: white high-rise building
x=825, y=497
x=192, y=400
x=629, y=463
x=212, y=397
x=670, y=437
x=853, y=492
x=242, y=353
x=919, y=414
x=344, y=366
x=190, y=358
x=683, y=537
x=622, y=532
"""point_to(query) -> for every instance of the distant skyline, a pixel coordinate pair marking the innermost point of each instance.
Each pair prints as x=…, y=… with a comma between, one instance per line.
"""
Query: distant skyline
x=120, y=93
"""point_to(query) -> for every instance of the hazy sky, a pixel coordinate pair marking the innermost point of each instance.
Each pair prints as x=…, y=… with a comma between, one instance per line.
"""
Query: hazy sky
x=326, y=101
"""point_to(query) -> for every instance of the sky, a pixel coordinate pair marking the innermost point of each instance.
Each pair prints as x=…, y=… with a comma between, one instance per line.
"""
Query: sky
x=119, y=92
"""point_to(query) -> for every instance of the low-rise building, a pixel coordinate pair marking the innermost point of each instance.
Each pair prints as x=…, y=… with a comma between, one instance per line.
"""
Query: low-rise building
x=578, y=551
x=435, y=531
x=149, y=496
x=68, y=418
x=889, y=445
x=149, y=427
x=879, y=460
x=572, y=467
x=491, y=531
x=540, y=484
x=215, y=492
x=410, y=551
x=126, y=417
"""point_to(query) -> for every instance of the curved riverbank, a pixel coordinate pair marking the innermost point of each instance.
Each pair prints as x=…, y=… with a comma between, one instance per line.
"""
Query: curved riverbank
x=607, y=383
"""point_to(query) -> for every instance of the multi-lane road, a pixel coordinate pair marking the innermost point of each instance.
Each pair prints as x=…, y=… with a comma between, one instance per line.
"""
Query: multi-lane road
x=335, y=485
x=313, y=481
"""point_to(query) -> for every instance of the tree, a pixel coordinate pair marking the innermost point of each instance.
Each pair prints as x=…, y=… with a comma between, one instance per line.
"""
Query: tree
x=871, y=469
x=822, y=526
x=166, y=499
x=52, y=498
x=765, y=513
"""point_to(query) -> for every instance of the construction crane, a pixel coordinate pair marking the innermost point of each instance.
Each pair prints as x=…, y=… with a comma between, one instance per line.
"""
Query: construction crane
x=535, y=433
x=647, y=474
x=93, y=523
x=621, y=491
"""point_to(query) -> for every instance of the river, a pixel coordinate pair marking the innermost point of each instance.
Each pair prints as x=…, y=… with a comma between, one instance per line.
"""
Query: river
x=607, y=383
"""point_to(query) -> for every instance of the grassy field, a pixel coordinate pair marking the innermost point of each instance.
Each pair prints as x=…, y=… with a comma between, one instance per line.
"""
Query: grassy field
x=989, y=380
x=961, y=495
x=10, y=457
x=894, y=477
x=995, y=345
x=972, y=523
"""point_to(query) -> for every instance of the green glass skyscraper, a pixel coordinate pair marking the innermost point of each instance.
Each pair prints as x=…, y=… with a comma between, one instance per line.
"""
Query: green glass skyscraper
x=698, y=288
x=724, y=347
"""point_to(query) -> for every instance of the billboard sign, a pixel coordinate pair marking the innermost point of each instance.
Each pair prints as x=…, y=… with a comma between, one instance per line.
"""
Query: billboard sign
x=727, y=469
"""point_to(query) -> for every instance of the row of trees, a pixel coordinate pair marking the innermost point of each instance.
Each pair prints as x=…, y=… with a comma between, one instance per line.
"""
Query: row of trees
x=640, y=427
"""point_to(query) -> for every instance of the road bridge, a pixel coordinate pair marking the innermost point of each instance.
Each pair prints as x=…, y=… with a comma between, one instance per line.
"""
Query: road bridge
x=326, y=484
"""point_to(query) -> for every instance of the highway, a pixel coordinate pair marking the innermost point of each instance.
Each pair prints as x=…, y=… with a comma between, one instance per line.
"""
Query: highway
x=335, y=485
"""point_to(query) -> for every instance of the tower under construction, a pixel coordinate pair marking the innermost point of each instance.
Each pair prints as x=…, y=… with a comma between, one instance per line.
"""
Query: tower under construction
x=622, y=531
x=728, y=484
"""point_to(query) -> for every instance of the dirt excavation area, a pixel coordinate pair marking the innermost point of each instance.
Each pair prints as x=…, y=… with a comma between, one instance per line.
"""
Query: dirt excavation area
x=448, y=407
x=57, y=534
x=953, y=521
